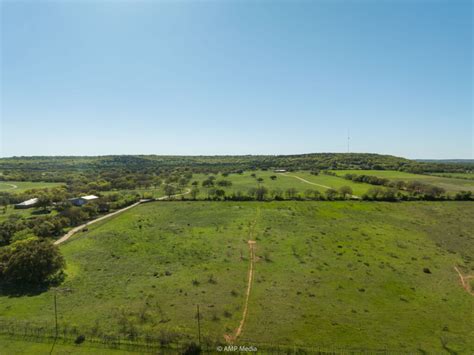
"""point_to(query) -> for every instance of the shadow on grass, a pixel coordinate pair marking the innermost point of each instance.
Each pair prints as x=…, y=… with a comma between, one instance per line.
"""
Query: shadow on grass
x=13, y=290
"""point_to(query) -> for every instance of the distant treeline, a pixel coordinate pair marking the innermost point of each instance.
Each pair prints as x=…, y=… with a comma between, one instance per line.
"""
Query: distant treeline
x=64, y=169
x=400, y=190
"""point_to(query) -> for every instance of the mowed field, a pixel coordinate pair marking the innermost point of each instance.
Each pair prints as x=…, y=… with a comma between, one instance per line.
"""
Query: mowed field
x=450, y=184
x=244, y=182
x=334, y=275
x=21, y=186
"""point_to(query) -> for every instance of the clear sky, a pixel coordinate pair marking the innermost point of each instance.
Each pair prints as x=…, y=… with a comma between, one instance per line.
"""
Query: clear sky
x=237, y=77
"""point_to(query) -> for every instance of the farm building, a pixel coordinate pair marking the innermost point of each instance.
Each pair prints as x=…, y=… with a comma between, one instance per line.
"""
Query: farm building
x=79, y=201
x=280, y=171
x=27, y=204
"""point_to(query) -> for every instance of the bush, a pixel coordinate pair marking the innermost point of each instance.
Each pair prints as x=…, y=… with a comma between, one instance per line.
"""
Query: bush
x=30, y=262
x=80, y=339
x=192, y=349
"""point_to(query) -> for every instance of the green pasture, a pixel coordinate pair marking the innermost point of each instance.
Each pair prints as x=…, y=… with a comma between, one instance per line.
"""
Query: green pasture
x=284, y=181
x=450, y=184
x=20, y=346
x=469, y=176
x=22, y=186
x=333, y=275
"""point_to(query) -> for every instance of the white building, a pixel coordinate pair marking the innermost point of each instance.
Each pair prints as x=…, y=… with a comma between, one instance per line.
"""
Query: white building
x=79, y=201
x=27, y=204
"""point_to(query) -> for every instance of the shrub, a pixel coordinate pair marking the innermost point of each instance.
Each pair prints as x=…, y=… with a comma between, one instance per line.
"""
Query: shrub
x=30, y=262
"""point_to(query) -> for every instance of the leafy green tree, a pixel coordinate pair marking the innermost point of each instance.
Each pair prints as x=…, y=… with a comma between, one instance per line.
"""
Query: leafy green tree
x=331, y=194
x=208, y=183
x=30, y=262
x=345, y=192
x=260, y=193
x=291, y=193
x=169, y=190
x=44, y=200
x=194, y=192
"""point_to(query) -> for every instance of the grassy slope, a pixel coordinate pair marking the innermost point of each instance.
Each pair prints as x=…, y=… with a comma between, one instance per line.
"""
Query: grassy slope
x=25, y=185
x=342, y=274
x=449, y=184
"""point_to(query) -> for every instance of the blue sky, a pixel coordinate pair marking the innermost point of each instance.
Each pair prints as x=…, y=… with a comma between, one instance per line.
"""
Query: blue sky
x=237, y=77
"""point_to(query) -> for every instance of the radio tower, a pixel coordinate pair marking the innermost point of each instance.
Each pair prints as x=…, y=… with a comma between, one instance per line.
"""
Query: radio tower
x=348, y=140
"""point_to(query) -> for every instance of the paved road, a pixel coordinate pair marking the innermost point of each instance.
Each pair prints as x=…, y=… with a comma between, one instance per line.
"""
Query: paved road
x=82, y=226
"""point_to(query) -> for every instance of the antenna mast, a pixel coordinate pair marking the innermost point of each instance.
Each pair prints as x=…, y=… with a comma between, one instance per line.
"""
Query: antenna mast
x=348, y=140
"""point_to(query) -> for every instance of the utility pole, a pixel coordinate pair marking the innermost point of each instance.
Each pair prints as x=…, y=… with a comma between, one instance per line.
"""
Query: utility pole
x=348, y=140
x=199, y=325
x=55, y=315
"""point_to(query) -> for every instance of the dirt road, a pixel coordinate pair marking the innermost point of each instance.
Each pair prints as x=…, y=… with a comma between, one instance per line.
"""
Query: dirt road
x=313, y=183
x=82, y=226
x=231, y=338
x=12, y=187
x=465, y=281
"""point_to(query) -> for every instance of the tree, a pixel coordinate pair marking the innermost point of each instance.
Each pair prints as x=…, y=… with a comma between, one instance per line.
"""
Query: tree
x=345, y=192
x=273, y=177
x=208, y=183
x=30, y=262
x=182, y=183
x=219, y=193
x=44, y=200
x=331, y=194
x=169, y=190
x=464, y=196
x=224, y=183
x=291, y=193
x=260, y=193
x=194, y=192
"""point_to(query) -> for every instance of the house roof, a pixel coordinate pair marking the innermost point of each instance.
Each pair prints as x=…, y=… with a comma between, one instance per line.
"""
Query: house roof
x=89, y=197
x=31, y=201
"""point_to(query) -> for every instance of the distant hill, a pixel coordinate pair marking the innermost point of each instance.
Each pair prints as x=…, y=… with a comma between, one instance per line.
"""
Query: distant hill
x=447, y=161
x=61, y=168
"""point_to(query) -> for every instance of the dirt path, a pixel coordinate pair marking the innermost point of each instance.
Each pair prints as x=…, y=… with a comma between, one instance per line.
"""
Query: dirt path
x=313, y=183
x=82, y=226
x=12, y=187
x=231, y=338
x=465, y=281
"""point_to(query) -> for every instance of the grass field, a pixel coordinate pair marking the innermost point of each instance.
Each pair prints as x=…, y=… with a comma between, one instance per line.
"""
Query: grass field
x=469, y=176
x=345, y=275
x=451, y=185
x=23, y=213
x=22, y=186
x=16, y=346
x=244, y=182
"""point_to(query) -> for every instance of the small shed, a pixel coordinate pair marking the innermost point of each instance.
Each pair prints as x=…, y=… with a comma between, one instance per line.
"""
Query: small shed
x=79, y=201
x=27, y=204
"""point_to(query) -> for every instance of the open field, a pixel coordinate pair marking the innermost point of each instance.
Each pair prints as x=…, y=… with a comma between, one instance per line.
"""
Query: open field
x=14, y=346
x=23, y=213
x=21, y=186
x=469, y=176
x=244, y=182
x=449, y=184
x=343, y=275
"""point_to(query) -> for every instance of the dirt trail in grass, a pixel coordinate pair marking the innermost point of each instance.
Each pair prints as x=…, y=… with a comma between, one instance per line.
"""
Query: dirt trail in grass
x=313, y=183
x=12, y=187
x=231, y=338
x=465, y=281
x=82, y=226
